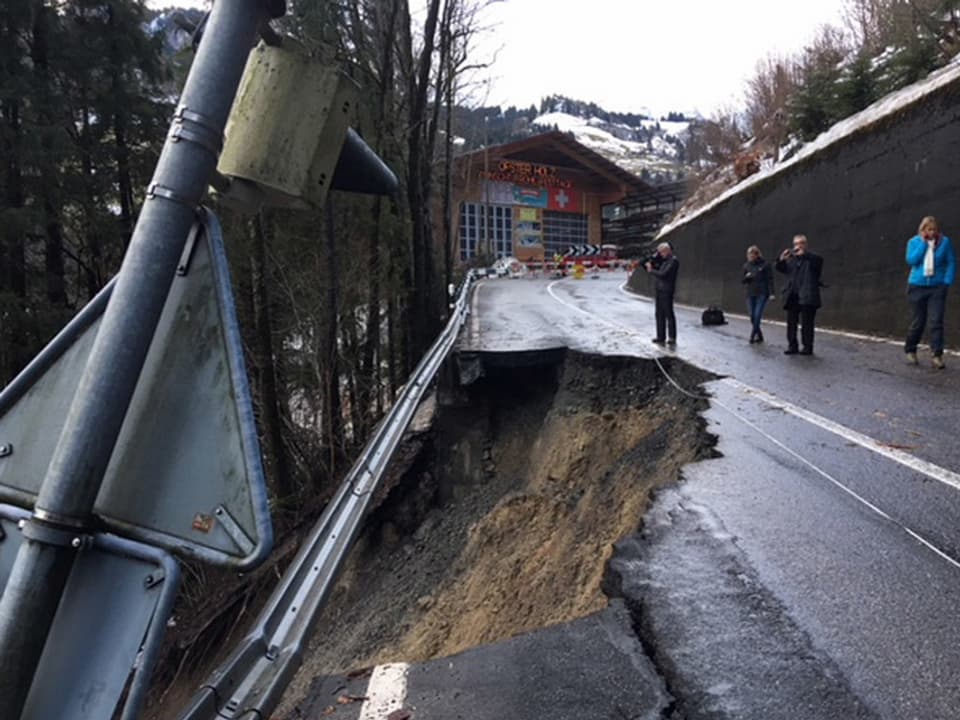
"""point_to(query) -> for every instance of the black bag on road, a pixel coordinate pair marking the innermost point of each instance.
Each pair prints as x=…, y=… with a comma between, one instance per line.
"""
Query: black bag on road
x=713, y=315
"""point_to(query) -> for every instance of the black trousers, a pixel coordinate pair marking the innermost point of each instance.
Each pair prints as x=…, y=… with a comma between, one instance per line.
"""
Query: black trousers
x=805, y=314
x=926, y=302
x=666, y=320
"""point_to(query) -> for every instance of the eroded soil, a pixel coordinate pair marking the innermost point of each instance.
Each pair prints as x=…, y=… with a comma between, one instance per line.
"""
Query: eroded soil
x=505, y=522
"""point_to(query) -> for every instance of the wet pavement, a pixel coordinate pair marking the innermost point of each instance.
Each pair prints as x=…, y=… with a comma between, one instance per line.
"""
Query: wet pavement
x=811, y=571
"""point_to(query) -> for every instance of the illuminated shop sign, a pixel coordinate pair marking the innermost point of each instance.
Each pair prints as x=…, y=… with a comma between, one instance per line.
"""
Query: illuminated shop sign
x=524, y=173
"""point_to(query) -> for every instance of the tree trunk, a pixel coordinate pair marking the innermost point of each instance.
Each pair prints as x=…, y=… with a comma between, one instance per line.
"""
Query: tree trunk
x=121, y=150
x=393, y=338
x=271, y=418
x=13, y=277
x=448, y=184
x=330, y=362
x=370, y=386
x=357, y=416
x=372, y=346
x=418, y=185
x=49, y=178
x=93, y=270
x=121, y=154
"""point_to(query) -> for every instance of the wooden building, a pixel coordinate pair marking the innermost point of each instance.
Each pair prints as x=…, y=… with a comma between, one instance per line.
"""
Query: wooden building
x=534, y=198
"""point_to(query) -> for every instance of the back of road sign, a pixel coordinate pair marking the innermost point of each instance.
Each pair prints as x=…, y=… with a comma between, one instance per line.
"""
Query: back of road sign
x=109, y=624
x=185, y=473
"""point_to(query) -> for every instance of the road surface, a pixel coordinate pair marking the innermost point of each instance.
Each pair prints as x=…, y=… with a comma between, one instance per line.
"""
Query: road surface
x=813, y=571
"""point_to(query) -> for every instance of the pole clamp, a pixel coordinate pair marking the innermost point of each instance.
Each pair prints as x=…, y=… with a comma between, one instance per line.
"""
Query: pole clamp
x=156, y=190
x=41, y=532
x=196, y=127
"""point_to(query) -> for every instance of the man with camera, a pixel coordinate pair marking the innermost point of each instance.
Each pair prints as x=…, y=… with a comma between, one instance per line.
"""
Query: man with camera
x=801, y=297
x=663, y=265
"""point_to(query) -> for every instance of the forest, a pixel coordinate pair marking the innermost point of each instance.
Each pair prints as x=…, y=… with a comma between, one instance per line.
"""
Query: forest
x=336, y=305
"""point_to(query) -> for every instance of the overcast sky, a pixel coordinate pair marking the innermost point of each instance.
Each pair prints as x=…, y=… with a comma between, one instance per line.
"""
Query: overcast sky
x=630, y=54
x=633, y=55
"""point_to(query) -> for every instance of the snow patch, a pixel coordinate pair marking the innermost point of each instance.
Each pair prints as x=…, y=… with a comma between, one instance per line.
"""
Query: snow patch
x=615, y=141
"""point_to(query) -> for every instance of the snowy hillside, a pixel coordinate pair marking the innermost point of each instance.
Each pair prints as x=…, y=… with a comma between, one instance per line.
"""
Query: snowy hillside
x=650, y=149
x=176, y=26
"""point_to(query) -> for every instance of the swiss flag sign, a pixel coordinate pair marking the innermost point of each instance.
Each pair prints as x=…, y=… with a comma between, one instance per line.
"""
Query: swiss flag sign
x=565, y=200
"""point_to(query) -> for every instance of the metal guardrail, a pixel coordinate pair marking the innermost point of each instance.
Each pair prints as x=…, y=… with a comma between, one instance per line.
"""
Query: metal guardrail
x=251, y=682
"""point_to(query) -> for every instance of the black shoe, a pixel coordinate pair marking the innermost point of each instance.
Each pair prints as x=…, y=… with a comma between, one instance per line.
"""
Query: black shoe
x=657, y=341
x=806, y=351
x=790, y=351
x=672, y=342
x=752, y=341
x=759, y=337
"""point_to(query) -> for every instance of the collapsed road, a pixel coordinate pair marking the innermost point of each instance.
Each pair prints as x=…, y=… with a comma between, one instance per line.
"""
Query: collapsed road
x=798, y=558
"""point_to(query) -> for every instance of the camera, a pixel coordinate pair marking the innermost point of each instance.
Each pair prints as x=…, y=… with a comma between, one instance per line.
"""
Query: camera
x=656, y=259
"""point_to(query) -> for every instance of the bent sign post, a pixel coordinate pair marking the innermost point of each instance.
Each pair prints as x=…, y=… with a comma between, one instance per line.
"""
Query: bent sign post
x=62, y=520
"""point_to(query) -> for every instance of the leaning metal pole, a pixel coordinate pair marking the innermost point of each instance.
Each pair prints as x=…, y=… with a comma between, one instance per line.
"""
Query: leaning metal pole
x=60, y=521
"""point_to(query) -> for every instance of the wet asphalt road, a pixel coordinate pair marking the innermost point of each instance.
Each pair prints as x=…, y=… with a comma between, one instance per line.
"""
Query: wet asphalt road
x=810, y=572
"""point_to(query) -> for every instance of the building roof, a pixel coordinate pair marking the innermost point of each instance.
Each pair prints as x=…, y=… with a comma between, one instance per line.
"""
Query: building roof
x=561, y=149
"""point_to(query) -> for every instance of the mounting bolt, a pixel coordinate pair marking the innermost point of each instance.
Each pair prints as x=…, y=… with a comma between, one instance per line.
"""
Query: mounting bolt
x=6, y=450
x=76, y=542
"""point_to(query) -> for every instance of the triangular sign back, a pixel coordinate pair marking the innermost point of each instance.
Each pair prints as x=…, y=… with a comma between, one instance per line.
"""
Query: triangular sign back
x=185, y=473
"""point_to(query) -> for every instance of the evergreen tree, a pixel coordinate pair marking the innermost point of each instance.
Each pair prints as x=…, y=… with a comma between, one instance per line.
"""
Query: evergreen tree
x=82, y=117
x=856, y=88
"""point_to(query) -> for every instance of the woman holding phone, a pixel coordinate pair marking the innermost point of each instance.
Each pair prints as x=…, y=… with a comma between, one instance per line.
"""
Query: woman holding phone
x=758, y=279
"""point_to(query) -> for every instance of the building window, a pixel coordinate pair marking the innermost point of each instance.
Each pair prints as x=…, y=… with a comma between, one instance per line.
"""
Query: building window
x=485, y=229
x=561, y=230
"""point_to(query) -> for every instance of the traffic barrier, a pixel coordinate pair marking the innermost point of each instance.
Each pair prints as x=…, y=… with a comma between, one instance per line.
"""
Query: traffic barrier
x=549, y=268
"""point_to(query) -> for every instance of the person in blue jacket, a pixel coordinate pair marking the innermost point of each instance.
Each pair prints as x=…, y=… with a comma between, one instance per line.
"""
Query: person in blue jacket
x=932, y=269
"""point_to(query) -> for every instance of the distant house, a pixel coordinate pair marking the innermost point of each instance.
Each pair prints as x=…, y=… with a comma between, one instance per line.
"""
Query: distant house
x=534, y=198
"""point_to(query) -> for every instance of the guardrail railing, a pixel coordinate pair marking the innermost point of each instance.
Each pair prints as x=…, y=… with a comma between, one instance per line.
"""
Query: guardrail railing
x=252, y=681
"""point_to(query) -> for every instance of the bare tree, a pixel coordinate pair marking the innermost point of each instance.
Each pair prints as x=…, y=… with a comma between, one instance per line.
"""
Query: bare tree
x=767, y=93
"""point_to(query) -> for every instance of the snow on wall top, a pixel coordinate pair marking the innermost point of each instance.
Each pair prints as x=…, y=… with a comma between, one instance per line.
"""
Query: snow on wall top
x=881, y=108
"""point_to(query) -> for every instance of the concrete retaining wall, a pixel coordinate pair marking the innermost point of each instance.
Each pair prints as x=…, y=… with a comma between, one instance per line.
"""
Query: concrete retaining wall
x=858, y=200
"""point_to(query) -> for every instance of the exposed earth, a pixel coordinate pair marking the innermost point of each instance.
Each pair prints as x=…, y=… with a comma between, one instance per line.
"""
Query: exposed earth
x=506, y=520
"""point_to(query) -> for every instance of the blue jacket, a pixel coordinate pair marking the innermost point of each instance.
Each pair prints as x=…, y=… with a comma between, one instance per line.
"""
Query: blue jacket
x=944, y=262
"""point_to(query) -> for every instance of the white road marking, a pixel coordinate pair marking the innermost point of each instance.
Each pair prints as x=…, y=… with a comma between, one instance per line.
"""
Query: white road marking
x=931, y=470
x=386, y=692
x=608, y=323
x=919, y=538
x=941, y=474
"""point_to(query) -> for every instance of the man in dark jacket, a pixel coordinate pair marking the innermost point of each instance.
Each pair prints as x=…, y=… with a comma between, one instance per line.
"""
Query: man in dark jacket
x=665, y=271
x=801, y=297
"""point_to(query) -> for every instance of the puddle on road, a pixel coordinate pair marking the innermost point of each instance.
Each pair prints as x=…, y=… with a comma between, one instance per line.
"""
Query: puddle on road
x=504, y=522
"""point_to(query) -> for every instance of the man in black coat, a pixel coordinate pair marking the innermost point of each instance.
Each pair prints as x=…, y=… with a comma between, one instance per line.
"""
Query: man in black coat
x=665, y=270
x=801, y=297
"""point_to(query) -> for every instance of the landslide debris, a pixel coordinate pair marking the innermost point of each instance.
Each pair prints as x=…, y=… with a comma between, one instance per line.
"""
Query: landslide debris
x=505, y=522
